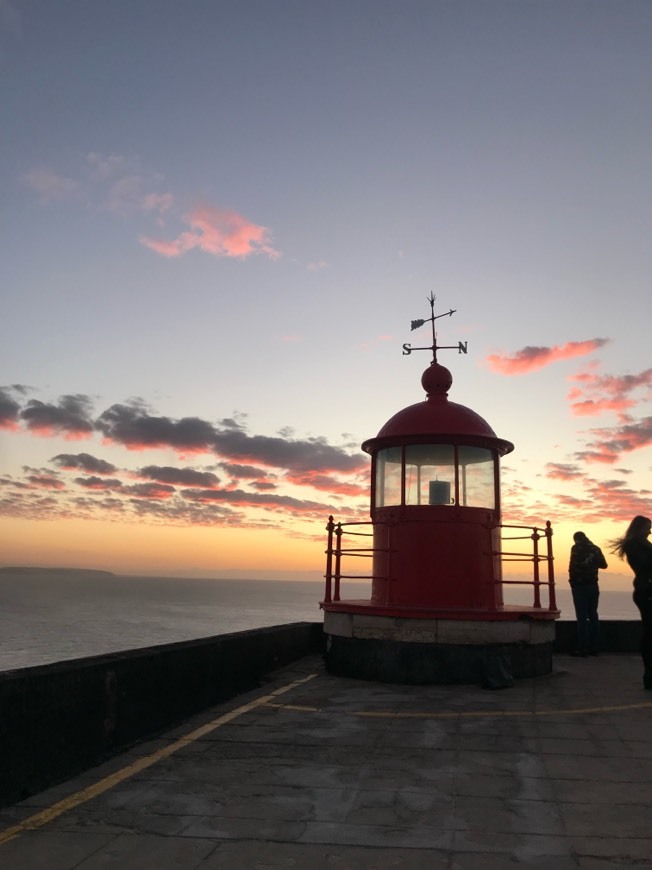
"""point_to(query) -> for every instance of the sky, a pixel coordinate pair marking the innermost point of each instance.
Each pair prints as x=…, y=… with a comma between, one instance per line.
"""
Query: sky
x=219, y=220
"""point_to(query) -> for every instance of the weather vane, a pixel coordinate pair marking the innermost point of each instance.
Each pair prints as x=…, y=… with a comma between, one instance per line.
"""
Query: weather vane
x=461, y=346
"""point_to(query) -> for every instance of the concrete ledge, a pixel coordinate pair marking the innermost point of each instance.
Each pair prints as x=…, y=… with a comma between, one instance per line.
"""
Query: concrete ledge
x=493, y=665
x=58, y=720
x=437, y=631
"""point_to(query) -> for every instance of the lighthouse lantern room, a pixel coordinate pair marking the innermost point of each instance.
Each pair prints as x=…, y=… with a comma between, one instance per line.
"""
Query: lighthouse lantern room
x=436, y=611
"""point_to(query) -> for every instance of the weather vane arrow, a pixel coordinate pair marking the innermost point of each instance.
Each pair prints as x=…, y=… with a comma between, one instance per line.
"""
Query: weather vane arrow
x=461, y=346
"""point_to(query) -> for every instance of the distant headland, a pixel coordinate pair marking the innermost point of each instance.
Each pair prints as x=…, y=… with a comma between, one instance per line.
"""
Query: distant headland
x=22, y=571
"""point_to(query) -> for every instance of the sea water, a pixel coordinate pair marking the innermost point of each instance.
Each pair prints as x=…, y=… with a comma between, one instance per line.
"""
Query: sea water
x=54, y=617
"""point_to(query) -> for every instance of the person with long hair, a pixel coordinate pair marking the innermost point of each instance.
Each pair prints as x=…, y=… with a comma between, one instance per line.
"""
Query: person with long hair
x=637, y=549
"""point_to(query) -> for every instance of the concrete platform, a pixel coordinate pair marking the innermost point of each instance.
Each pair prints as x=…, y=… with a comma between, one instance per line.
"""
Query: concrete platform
x=328, y=773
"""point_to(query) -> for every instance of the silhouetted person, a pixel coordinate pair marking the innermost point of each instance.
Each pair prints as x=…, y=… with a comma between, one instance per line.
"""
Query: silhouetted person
x=635, y=547
x=586, y=559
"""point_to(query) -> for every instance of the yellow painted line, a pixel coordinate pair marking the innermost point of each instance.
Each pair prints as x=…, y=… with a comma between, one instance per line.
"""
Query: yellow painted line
x=465, y=714
x=80, y=797
x=298, y=707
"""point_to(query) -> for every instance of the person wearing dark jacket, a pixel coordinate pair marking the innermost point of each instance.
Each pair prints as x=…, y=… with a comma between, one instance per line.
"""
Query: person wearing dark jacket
x=586, y=559
x=637, y=549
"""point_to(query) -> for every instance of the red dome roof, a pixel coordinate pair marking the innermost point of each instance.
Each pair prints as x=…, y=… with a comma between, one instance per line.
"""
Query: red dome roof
x=436, y=417
x=439, y=417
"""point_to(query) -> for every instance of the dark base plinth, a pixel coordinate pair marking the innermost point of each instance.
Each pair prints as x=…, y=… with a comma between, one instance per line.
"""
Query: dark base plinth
x=494, y=666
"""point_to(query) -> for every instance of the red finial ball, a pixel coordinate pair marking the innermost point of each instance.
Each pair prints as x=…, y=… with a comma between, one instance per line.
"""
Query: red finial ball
x=436, y=380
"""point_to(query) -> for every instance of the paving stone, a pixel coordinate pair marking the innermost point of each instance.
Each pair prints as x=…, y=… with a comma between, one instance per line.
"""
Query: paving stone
x=130, y=852
x=52, y=850
x=341, y=774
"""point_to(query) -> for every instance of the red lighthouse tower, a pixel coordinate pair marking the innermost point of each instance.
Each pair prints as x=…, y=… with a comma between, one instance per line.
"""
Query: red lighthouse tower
x=436, y=611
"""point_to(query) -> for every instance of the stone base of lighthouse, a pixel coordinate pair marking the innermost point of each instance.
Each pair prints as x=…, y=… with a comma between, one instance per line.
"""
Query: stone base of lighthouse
x=392, y=649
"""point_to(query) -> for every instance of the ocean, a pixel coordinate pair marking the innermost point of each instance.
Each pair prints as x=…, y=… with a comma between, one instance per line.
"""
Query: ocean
x=50, y=617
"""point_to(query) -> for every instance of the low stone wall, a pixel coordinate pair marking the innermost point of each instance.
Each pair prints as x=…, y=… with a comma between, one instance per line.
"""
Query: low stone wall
x=616, y=635
x=58, y=720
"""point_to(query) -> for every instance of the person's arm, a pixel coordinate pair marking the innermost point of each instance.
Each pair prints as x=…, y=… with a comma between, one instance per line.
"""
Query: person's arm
x=639, y=558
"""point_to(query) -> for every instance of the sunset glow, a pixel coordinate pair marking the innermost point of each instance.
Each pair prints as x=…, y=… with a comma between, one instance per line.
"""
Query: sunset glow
x=207, y=285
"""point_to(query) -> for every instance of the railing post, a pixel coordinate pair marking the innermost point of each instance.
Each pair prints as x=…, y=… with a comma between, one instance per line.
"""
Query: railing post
x=551, y=569
x=537, y=581
x=329, y=560
x=389, y=586
x=338, y=560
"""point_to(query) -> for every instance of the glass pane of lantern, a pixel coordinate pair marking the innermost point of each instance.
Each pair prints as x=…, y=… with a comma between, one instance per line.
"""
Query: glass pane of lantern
x=388, y=476
x=429, y=474
x=477, y=477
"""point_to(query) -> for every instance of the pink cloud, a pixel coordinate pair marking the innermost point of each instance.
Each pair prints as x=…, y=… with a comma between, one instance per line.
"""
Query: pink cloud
x=614, y=501
x=530, y=359
x=45, y=481
x=562, y=471
x=611, y=443
x=591, y=408
x=150, y=490
x=70, y=417
x=98, y=483
x=598, y=393
x=597, y=501
x=220, y=232
x=9, y=410
x=326, y=483
x=251, y=468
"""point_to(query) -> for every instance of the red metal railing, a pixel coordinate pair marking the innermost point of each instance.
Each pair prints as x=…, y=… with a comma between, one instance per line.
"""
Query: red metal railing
x=335, y=552
x=536, y=557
